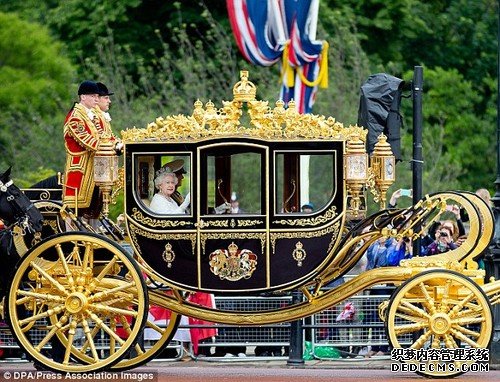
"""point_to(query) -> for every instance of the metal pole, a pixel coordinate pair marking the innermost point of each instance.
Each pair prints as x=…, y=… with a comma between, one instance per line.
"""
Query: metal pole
x=418, y=160
x=295, y=357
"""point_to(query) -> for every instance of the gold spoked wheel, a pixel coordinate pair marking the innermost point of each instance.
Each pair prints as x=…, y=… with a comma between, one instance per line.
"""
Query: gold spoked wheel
x=150, y=348
x=82, y=291
x=439, y=309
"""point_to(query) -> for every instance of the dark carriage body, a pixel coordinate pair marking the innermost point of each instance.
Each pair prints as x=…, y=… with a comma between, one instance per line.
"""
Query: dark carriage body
x=271, y=245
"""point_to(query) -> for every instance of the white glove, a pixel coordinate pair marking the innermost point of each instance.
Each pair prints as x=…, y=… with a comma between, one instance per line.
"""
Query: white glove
x=224, y=208
x=187, y=201
x=119, y=147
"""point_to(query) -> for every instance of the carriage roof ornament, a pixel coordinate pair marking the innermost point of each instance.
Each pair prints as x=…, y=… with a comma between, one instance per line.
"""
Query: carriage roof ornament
x=274, y=123
x=244, y=90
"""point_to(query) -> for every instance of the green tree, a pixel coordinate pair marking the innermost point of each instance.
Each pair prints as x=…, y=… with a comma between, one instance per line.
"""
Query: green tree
x=34, y=96
x=457, y=148
x=348, y=66
x=134, y=23
x=458, y=106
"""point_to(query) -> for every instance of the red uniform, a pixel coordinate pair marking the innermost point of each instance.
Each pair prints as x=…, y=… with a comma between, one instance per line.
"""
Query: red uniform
x=102, y=124
x=81, y=139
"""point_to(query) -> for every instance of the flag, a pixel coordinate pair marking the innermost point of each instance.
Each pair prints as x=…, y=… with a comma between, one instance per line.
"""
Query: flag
x=267, y=30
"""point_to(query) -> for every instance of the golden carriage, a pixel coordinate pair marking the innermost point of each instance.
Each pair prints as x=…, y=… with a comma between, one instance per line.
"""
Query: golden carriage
x=84, y=289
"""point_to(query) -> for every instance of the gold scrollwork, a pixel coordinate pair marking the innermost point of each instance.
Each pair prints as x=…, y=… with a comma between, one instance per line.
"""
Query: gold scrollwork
x=37, y=238
x=233, y=236
x=168, y=255
x=265, y=122
x=52, y=223
x=163, y=223
x=249, y=223
x=44, y=195
x=135, y=231
x=233, y=264
x=332, y=229
x=118, y=186
x=216, y=223
x=326, y=217
x=233, y=223
x=299, y=253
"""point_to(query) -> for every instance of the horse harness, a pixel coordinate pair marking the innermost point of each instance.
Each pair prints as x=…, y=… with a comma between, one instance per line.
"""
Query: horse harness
x=22, y=213
x=4, y=187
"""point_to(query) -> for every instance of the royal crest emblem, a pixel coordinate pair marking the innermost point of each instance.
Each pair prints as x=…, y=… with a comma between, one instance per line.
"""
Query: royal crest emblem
x=233, y=264
x=168, y=255
x=299, y=253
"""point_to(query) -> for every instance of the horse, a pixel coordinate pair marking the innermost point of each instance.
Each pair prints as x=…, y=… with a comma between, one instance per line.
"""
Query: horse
x=16, y=210
x=46, y=189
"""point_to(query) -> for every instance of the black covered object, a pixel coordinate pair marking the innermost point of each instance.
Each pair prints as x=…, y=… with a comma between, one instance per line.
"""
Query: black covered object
x=379, y=110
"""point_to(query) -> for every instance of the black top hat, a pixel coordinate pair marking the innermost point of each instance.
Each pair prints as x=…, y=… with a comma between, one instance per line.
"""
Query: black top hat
x=103, y=89
x=88, y=87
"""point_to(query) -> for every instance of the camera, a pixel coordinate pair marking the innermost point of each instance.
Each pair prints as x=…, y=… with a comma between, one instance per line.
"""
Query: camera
x=406, y=192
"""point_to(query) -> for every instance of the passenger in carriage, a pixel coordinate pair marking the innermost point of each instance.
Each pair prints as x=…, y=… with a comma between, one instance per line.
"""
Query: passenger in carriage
x=162, y=201
x=177, y=167
x=231, y=207
x=307, y=208
x=235, y=204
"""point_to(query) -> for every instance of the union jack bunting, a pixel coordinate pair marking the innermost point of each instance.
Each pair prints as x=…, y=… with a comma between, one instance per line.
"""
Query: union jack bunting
x=267, y=30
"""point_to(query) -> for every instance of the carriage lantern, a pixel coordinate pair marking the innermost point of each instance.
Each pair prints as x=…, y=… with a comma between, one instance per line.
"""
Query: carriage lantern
x=106, y=170
x=383, y=167
x=356, y=171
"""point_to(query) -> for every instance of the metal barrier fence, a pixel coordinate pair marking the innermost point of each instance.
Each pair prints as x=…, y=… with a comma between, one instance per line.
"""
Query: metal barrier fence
x=335, y=327
x=269, y=335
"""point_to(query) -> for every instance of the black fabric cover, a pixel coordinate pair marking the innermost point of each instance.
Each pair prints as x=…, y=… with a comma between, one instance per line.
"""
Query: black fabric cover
x=379, y=104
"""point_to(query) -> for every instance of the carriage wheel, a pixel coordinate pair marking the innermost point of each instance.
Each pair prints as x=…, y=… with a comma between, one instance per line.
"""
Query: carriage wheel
x=141, y=354
x=439, y=309
x=79, y=290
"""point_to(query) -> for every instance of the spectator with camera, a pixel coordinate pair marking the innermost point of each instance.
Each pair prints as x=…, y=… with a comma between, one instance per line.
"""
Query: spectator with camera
x=444, y=239
x=393, y=200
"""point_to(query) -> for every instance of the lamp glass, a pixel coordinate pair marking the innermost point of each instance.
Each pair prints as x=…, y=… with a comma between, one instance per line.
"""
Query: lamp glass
x=105, y=169
x=357, y=166
x=389, y=168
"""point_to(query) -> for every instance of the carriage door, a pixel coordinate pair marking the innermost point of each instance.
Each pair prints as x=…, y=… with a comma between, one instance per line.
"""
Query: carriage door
x=232, y=215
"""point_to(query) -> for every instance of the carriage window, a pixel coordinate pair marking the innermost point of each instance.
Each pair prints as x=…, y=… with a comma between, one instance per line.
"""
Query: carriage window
x=304, y=183
x=234, y=184
x=168, y=200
